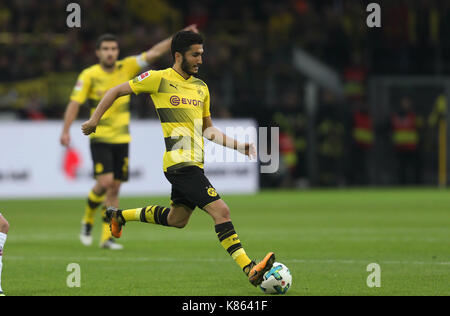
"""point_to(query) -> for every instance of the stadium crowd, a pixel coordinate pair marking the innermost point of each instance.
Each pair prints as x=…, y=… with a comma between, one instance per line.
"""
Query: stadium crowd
x=247, y=61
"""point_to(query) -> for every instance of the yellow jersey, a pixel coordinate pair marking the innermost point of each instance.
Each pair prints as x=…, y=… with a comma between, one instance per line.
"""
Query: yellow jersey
x=92, y=84
x=181, y=105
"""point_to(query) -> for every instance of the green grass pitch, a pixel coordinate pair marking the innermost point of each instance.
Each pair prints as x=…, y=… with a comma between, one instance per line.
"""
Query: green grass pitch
x=326, y=237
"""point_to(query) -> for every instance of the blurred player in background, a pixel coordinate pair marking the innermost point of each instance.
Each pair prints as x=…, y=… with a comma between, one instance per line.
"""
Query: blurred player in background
x=4, y=227
x=182, y=102
x=110, y=144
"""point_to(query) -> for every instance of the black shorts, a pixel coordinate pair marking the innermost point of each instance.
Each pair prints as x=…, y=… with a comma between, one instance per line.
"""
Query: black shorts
x=191, y=188
x=109, y=158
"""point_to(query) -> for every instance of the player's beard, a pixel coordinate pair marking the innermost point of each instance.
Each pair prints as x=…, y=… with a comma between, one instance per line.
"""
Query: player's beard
x=186, y=67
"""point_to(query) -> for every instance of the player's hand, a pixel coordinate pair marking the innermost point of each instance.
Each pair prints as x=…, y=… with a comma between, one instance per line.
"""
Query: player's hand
x=88, y=127
x=65, y=139
x=192, y=27
x=248, y=149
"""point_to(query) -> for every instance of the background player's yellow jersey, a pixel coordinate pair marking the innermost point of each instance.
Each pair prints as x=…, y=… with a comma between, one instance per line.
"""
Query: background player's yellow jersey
x=93, y=83
x=181, y=105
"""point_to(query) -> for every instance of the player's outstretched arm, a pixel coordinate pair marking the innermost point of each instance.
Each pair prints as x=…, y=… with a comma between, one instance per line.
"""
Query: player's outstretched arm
x=163, y=47
x=106, y=102
x=213, y=134
x=69, y=116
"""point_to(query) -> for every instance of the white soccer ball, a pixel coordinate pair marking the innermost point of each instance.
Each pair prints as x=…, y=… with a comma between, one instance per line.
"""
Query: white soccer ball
x=277, y=280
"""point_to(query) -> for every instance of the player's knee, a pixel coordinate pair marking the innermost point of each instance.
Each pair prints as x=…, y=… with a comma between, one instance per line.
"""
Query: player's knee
x=180, y=223
x=223, y=213
x=99, y=190
x=114, y=189
x=106, y=184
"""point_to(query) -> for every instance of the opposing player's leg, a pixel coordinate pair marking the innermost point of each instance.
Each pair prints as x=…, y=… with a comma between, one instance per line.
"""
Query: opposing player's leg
x=4, y=228
x=229, y=239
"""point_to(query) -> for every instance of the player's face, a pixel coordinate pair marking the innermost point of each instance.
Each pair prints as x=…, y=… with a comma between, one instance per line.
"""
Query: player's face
x=192, y=59
x=108, y=53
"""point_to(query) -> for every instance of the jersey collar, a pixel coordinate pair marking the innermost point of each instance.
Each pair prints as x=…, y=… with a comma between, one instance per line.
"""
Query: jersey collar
x=180, y=76
x=108, y=72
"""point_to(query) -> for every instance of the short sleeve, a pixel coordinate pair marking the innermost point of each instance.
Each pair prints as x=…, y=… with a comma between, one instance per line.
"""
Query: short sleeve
x=134, y=64
x=82, y=87
x=206, y=106
x=147, y=82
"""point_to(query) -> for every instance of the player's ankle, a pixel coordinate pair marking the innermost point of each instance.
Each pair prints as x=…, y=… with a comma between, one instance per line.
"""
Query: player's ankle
x=248, y=268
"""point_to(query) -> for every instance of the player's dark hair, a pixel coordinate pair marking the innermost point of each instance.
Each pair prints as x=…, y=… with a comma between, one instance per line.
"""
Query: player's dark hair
x=106, y=38
x=182, y=41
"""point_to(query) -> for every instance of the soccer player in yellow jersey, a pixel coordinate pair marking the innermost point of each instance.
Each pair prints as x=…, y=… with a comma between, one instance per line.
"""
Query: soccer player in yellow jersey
x=182, y=102
x=110, y=145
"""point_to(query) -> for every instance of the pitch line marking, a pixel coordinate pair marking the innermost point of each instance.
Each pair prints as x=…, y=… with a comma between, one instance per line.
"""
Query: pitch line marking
x=143, y=259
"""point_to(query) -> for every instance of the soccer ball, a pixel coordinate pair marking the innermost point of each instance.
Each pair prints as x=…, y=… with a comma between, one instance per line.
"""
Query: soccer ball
x=277, y=280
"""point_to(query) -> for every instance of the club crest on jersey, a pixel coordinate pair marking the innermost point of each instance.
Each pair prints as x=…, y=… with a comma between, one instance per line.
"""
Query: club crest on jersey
x=212, y=192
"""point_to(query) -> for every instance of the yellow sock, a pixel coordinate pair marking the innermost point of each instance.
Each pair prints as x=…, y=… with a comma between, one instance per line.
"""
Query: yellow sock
x=230, y=241
x=131, y=215
x=241, y=258
x=153, y=214
x=93, y=202
x=106, y=232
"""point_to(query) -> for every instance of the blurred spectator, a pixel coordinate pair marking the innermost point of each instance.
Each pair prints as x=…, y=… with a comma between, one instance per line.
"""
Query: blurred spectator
x=280, y=25
x=362, y=141
x=292, y=123
x=354, y=77
x=34, y=109
x=439, y=111
x=331, y=136
x=405, y=136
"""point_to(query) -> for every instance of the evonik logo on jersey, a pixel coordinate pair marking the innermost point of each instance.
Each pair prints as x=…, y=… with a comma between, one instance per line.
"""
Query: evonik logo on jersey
x=176, y=100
